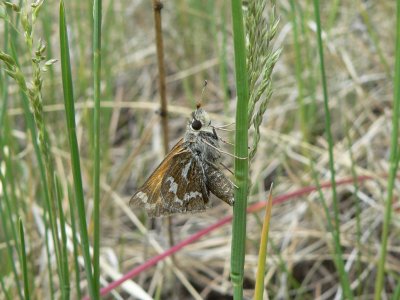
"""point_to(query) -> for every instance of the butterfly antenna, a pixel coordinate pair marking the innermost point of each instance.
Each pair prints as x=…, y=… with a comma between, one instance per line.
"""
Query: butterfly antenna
x=198, y=104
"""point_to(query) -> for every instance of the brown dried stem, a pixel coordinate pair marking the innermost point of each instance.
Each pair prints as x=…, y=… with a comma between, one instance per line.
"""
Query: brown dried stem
x=157, y=6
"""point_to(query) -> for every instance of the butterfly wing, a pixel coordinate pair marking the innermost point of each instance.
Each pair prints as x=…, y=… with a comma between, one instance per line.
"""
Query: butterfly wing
x=183, y=187
x=148, y=196
x=218, y=184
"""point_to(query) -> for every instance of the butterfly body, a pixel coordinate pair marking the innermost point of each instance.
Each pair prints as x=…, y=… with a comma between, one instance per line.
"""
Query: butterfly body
x=183, y=181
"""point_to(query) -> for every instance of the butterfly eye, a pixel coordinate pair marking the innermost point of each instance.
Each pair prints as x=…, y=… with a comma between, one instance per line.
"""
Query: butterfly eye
x=196, y=124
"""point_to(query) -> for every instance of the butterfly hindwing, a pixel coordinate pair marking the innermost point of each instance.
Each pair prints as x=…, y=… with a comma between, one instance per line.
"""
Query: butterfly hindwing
x=183, y=187
x=218, y=184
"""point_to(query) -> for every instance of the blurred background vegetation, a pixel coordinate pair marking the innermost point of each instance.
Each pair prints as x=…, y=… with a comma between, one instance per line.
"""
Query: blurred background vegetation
x=359, y=46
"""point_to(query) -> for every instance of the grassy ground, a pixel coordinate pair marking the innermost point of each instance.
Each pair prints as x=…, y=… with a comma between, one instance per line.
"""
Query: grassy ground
x=38, y=182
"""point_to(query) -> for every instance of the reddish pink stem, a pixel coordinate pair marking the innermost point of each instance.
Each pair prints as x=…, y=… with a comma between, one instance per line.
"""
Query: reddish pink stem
x=253, y=208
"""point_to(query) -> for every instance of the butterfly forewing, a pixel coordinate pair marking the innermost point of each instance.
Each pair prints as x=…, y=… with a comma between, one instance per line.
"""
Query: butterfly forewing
x=148, y=196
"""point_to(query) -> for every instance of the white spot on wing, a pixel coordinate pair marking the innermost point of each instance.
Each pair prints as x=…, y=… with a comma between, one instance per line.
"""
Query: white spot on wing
x=173, y=187
x=149, y=206
x=177, y=200
x=142, y=197
x=185, y=170
x=191, y=195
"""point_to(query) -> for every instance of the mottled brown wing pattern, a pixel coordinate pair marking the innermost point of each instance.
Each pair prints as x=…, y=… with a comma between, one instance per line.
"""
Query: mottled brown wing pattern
x=183, y=187
x=218, y=184
x=148, y=196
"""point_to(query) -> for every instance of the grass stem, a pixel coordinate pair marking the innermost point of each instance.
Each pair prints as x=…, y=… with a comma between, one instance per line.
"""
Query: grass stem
x=241, y=150
x=394, y=162
x=345, y=283
x=157, y=7
x=97, y=13
x=24, y=263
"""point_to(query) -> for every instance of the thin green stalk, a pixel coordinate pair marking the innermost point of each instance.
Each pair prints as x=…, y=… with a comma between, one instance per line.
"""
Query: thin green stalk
x=109, y=41
x=7, y=199
x=327, y=116
x=9, y=213
x=241, y=151
x=394, y=162
x=3, y=288
x=298, y=72
x=75, y=160
x=10, y=163
x=75, y=244
x=333, y=13
x=48, y=259
x=65, y=285
x=47, y=22
x=3, y=218
x=4, y=81
x=396, y=294
x=345, y=283
x=336, y=232
x=97, y=12
x=310, y=84
x=24, y=264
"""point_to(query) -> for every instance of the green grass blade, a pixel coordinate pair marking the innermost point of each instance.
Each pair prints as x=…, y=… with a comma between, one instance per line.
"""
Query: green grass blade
x=396, y=294
x=4, y=80
x=298, y=73
x=49, y=268
x=262, y=255
x=97, y=12
x=75, y=160
x=65, y=285
x=5, y=291
x=3, y=180
x=24, y=264
x=241, y=150
x=337, y=255
x=336, y=230
x=394, y=162
x=75, y=244
x=3, y=218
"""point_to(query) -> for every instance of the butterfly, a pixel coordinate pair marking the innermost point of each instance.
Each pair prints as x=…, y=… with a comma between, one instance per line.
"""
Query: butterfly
x=188, y=175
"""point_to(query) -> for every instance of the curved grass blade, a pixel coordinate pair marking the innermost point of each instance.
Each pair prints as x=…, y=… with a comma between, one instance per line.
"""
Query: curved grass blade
x=262, y=255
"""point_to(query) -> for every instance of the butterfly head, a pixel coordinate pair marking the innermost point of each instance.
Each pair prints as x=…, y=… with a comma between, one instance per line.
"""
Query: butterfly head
x=200, y=120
